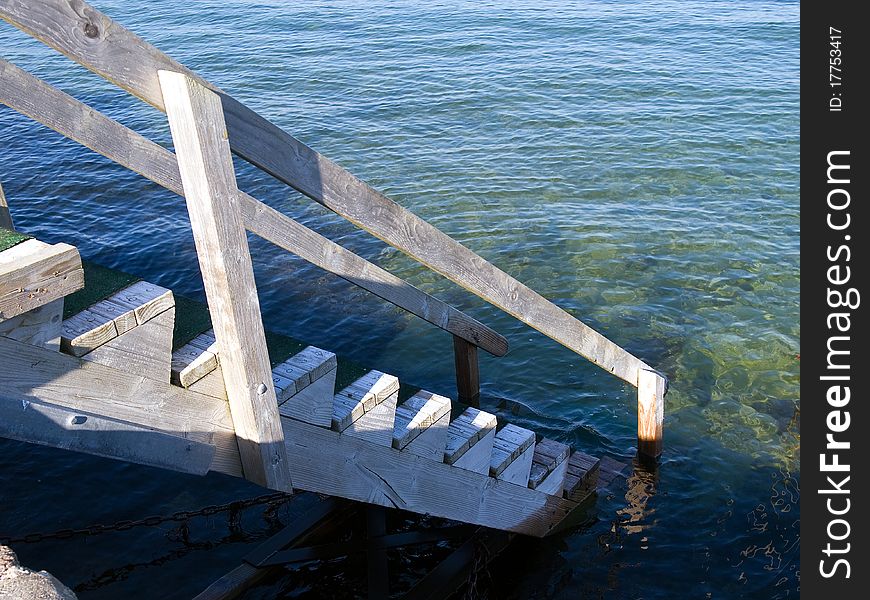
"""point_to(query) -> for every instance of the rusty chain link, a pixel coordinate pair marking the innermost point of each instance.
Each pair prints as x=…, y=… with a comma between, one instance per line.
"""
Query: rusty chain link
x=181, y=516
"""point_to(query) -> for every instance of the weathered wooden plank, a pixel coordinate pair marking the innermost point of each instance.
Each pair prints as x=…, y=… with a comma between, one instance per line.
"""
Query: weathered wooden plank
x=650, y=412
x=39, y=327
x=85, y=331
x=314, y=403
x=549, y=467
x=34, y=273
x=467, y=371
x=518, y=471
x=376, y=425
x=327, y=462
x=60, y=427
x=430, y=444
x=145, y=299
x=510, y=442
x=314, y=361
x=361, y=396
x=582, y=475
x=206, y=167
x=69, y=117
x=211, y=385
x=416, y=415
x=478, y=455
x=297, y=377
x=131, y=63
x=145, y=350
x=5, y=216
x=31, y=372
x=465, y=431
x=324, y=461
x=191, y=362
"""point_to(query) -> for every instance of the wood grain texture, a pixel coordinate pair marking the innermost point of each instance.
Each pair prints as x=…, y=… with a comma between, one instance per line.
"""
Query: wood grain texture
x=650, y=412
x=376, y=425
x=211, y=385
x=85, y=331
x=69, y=117
x=60, y=427
x=31, y=372
x=327, y=462
x=478, y=456
x=34, y=273
x=39, y=327
x=467, y=372
x=5, y=216
x=145, y=350
x=323, y=461
x=206, y=167
x=430, y=443
x=517, y=472
x=313, y=404
x=190, y=363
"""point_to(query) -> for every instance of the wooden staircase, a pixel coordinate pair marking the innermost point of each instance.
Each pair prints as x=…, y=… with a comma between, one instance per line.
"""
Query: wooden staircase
x=120, y=388
x=449, y=451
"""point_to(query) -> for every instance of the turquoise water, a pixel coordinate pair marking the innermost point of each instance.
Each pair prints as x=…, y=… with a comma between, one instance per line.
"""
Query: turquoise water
x=634, y=162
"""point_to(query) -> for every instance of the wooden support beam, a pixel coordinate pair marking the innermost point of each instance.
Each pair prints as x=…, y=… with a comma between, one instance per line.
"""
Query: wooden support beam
x=467, y=371
x=131, y=63
x=324, y=461
x=206, y=167
x=34, y=273
x=5, y=217
x=59, y=427
x=40, y=101
x=378, y=570
x=650, y=412
x=34, y=373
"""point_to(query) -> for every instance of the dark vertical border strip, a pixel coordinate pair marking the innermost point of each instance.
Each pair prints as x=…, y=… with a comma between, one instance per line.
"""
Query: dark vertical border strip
x=834, y=265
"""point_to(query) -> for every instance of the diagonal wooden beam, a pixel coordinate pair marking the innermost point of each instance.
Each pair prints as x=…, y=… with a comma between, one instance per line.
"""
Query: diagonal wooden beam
x=94, y=40
x=206, y=167
x=53, y=108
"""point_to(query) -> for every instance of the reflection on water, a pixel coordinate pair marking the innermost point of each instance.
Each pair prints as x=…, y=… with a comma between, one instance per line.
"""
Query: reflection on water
x=635, y=162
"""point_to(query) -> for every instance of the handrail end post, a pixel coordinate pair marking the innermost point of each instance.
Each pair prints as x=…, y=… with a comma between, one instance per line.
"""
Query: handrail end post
x=467, y=371
x=651, y=389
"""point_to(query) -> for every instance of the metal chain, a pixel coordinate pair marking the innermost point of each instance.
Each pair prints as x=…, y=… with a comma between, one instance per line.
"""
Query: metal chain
x=480, y=561
x=181, y=516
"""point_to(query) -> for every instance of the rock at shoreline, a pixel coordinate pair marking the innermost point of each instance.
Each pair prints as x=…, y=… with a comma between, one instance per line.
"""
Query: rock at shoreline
x=19, y=583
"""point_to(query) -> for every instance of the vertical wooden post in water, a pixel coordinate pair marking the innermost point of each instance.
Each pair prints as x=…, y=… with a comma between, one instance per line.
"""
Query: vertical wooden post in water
x=467, y=371
x=5, y=217
x=205, y=163
x=650, y=412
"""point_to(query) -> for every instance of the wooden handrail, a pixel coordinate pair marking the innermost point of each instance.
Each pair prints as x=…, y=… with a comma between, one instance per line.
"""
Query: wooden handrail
x=94, y=40
x=57, y=110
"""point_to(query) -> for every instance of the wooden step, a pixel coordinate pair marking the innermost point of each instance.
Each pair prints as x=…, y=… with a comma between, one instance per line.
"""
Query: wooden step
x=512, y=452
x=114, y=316
x=195, y=360
x=582, y=475
x=367, y=408
x=421, y=425
x=549, y=467
x=307, y=386
x=33, y=273
x=469, y=440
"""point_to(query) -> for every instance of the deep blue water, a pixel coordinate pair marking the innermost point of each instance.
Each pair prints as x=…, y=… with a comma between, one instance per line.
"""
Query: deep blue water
x=635, y=162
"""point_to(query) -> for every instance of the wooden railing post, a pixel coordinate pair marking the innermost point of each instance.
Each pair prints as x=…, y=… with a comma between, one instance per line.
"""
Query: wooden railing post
x=205, y=163
x=467, y=372
x=5, y=217
x=651, y=388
